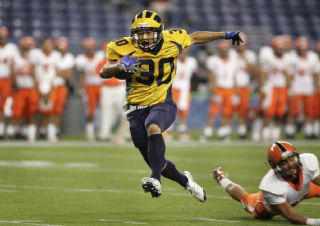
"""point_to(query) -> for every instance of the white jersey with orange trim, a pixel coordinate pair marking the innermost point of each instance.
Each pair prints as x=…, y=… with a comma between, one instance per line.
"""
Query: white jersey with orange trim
x=265, y=53
x=23, y=70
x=45, y=68
x=275, y=67
x=276, y=191
x=303, y=70
x=7, y=54
x=185, y=70
x=242, y=75
x=89, y=67
x=224, y=71
x=67, y=61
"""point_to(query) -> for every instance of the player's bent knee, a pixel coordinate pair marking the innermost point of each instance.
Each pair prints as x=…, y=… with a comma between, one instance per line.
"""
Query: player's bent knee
x=153, y=129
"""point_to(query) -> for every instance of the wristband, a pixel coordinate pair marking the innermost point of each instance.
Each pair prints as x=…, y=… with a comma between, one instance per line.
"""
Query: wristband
x=312, y=221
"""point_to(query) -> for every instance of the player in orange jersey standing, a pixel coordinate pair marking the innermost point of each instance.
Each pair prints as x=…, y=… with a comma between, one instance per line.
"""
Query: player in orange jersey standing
x=90, y=81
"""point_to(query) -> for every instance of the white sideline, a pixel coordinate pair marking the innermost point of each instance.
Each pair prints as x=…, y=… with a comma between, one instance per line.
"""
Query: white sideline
x=122, y=221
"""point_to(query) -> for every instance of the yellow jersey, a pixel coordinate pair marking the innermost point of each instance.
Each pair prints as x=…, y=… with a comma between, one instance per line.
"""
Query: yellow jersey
x=152, y=83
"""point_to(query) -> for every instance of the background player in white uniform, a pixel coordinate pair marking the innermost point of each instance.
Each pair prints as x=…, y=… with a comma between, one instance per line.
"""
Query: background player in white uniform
x=59, y=92
x=187, y=66
x=317, y=95
x=302, y=88
x=291, y=179
x=25, y=95
x=46, y=62
x=90, y=81
x=276, y=69
x=222, y=69
x=246, y=61
x=112, y=97
x=8, y=51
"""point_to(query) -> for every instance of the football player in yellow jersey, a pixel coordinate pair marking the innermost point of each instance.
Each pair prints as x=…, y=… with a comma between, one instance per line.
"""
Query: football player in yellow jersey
x=147, y=60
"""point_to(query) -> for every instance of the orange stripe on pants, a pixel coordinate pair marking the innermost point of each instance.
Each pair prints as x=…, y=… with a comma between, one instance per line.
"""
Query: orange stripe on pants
x=5, y=91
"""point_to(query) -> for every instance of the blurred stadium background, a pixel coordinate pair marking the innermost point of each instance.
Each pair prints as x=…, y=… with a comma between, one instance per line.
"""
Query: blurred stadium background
x=106, y=20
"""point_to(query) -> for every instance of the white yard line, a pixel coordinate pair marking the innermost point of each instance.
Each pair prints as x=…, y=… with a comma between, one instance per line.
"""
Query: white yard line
x=122, y=221
x=5, y=190
x=27, y=222
x=212, y=219
x=120, y=191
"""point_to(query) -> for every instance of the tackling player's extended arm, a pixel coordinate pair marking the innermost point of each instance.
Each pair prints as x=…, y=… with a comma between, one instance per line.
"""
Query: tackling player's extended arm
x=289, y=213
x=200, y=37
x=316, y=180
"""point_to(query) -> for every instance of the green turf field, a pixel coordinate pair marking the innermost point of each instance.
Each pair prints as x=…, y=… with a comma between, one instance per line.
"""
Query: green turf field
x=77, y=183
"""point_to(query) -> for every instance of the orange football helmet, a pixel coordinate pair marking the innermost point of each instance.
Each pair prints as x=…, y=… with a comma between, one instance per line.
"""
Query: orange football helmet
x=318, y=47
x=27, y=41
x=62, y=43
x=4, y=32
x=88, y=43
x=279, y=152
x=302, y=43
x=104, y=46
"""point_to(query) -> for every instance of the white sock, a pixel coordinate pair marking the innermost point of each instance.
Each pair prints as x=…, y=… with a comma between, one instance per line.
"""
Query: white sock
x=208, y=131
x=182, y=128
x=316, y=127
x=308, y=129
x=266, y=133
x=224, y=131
x=1, y=128
x=52, y=132
x=242, y=130
x=170, y=129
x=276, y=133
x=225, y=182
x=90, y=131
x=290, y=129
x=32, y=132
x=11, y=130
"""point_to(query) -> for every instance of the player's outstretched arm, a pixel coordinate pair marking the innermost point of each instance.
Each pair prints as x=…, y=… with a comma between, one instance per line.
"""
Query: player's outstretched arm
x=200, y=37
x=288, y=212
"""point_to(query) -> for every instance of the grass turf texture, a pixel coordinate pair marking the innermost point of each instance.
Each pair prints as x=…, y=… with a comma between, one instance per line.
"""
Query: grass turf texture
x=100, y=185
